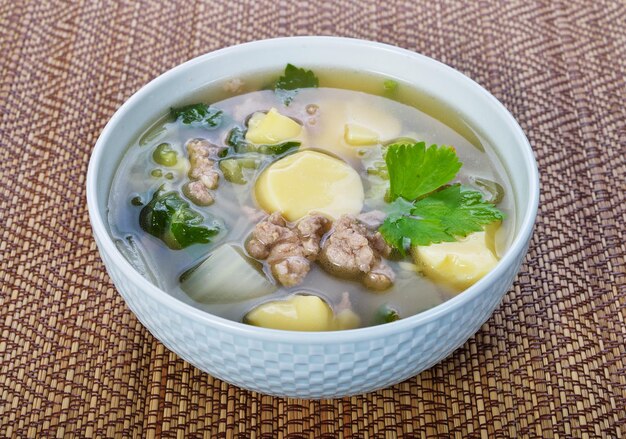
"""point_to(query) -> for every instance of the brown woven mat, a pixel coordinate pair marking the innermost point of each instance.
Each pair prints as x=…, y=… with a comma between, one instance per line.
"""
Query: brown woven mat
x=74, y=361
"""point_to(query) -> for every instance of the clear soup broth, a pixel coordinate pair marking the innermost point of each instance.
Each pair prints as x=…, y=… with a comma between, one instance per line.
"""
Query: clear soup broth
x=376, y=106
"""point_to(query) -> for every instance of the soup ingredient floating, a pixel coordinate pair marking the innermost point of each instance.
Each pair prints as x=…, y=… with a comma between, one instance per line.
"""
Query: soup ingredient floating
x=168, y=217
x=203, y=173
x=301, y=313
x=271, y=128
x=293, y=79
x=307, y=182
x=458, y=264
x=288, y=248
x=425, y=210
x=198, y=115
x=327, y=196
x=227, y=275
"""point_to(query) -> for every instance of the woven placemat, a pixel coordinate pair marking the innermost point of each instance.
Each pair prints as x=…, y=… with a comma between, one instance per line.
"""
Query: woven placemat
x=75, y=362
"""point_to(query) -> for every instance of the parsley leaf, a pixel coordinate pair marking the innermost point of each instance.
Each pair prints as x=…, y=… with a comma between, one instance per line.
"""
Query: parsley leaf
x=198, y=115
x=415, y=170
x=440, y=217
x=293, y=79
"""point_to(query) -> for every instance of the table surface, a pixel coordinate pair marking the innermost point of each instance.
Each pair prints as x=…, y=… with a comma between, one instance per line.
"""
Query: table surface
x=74, y=361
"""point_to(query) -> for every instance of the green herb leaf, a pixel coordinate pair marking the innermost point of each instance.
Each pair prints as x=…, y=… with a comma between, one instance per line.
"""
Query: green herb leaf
x=415, y=170
x=277, y=149
x=385, y=314
x=443, y=216
x=462, y=211
x=168, y=217
x=198, y=115
x=293, y=79
x=237, y=140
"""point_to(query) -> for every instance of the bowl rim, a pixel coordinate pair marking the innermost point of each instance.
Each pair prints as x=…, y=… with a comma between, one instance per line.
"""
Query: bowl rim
x=107, y=245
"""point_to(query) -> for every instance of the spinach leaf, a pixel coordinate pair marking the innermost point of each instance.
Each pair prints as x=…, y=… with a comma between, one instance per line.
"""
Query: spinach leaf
x=168, y=217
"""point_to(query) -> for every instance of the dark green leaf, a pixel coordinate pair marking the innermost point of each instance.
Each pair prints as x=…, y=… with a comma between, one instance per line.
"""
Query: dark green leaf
x=293, y=79
x=237, y=139
x=168, y=217
x=198, y=115
x=385, y=314
x=279, y=148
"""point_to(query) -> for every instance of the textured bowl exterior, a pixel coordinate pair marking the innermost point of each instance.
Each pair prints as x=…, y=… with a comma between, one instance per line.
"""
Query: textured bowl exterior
x=328, y=368
x=309, y=365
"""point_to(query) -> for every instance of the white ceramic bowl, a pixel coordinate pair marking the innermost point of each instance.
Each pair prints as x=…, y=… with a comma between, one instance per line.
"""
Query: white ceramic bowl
x=314, y=365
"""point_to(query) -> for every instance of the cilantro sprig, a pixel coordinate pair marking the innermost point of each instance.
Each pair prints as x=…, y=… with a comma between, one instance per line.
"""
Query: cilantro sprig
x=415, y=170
x=293, y=79
x=425, y=209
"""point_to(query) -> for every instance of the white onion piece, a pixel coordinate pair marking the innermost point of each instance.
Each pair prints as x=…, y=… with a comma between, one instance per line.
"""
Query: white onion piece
x=227, y=275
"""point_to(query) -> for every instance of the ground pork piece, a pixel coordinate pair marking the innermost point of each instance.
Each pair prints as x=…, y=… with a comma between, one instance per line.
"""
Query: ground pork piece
x=202, y=172
x=266, y=234
x=288, y=264
x=197, y=148
x=346, y=252
x=311, y=229
x=380, y=277
x=198, y=193
x=353, y=251
x=291, y=271
x=288, y=248
x=283, y=250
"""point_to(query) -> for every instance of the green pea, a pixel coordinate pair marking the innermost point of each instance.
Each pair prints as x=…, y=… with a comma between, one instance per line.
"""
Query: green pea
x=165, y=155
x=157, y=173
x=169, y=176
